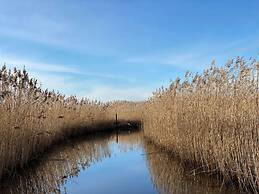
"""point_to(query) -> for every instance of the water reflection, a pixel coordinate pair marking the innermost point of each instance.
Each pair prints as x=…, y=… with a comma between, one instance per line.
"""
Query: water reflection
x=169, y=175
x=52, y=171
x=109, y=163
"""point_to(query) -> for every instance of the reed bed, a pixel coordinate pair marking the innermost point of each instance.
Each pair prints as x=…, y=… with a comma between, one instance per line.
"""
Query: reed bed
x=211, y=120
x=32, y=119
x=126, y=111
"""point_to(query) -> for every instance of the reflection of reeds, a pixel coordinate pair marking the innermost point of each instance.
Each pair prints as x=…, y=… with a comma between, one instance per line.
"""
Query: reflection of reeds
x=169, y=175
x=32, y=119
x=50, y=173
x=129, y=140
x=211, y=119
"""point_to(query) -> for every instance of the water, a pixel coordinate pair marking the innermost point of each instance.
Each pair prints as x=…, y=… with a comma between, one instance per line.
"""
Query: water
x=121, y=163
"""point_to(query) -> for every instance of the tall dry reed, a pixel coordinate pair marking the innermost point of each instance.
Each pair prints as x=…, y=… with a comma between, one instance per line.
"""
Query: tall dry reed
x=211, y=120
x=31, y=119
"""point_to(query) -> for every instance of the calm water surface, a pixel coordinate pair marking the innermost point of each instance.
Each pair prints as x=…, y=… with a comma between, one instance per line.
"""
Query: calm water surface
x=119, y=163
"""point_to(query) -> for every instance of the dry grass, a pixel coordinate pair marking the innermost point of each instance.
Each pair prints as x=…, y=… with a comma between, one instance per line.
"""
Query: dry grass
x=126, y=111
x=32, y=119
x=211, y=119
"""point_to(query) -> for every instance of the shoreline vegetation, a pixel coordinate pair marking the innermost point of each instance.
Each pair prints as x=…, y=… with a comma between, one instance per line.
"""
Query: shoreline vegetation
x=210, y=120
x=32, y=119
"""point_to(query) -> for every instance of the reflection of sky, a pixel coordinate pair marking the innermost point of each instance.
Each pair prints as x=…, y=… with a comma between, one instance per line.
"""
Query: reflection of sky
x=124, y=172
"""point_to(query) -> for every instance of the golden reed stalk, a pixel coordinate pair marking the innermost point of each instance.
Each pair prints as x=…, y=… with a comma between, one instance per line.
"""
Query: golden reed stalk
x=32, y=119
x=211, y=120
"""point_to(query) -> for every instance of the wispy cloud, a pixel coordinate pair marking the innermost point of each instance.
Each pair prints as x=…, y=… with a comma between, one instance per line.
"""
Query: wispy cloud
x=181, y=60
x=32, y=65
x=38, y=27
x=107, y=93
x=198, y=56
x=64, y=79
x=58, y=82
x=90, y=89
x=44, y=23
x=37, y=66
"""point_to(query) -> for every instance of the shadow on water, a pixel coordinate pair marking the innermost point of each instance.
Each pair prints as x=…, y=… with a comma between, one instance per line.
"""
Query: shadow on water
x=120, y=162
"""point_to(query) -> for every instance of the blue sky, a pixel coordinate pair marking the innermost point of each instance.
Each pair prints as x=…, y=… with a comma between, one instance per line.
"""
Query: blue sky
x=123, y=49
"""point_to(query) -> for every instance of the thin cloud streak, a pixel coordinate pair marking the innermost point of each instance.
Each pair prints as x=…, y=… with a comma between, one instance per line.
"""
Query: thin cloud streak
x=56, y=68
x=57, y=30
x=106, y=93
x=196, y=57
x=92, y=90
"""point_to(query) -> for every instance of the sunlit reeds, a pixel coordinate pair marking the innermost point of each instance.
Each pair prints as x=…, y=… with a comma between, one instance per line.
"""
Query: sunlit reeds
x=31, y=119
x=211, y=120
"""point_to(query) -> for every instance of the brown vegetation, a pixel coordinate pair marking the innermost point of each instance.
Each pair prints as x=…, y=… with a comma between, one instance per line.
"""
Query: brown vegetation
x=211, y=120
x=33, y=119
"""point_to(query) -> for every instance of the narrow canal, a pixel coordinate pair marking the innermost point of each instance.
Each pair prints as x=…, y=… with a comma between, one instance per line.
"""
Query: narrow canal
x=116, y=163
